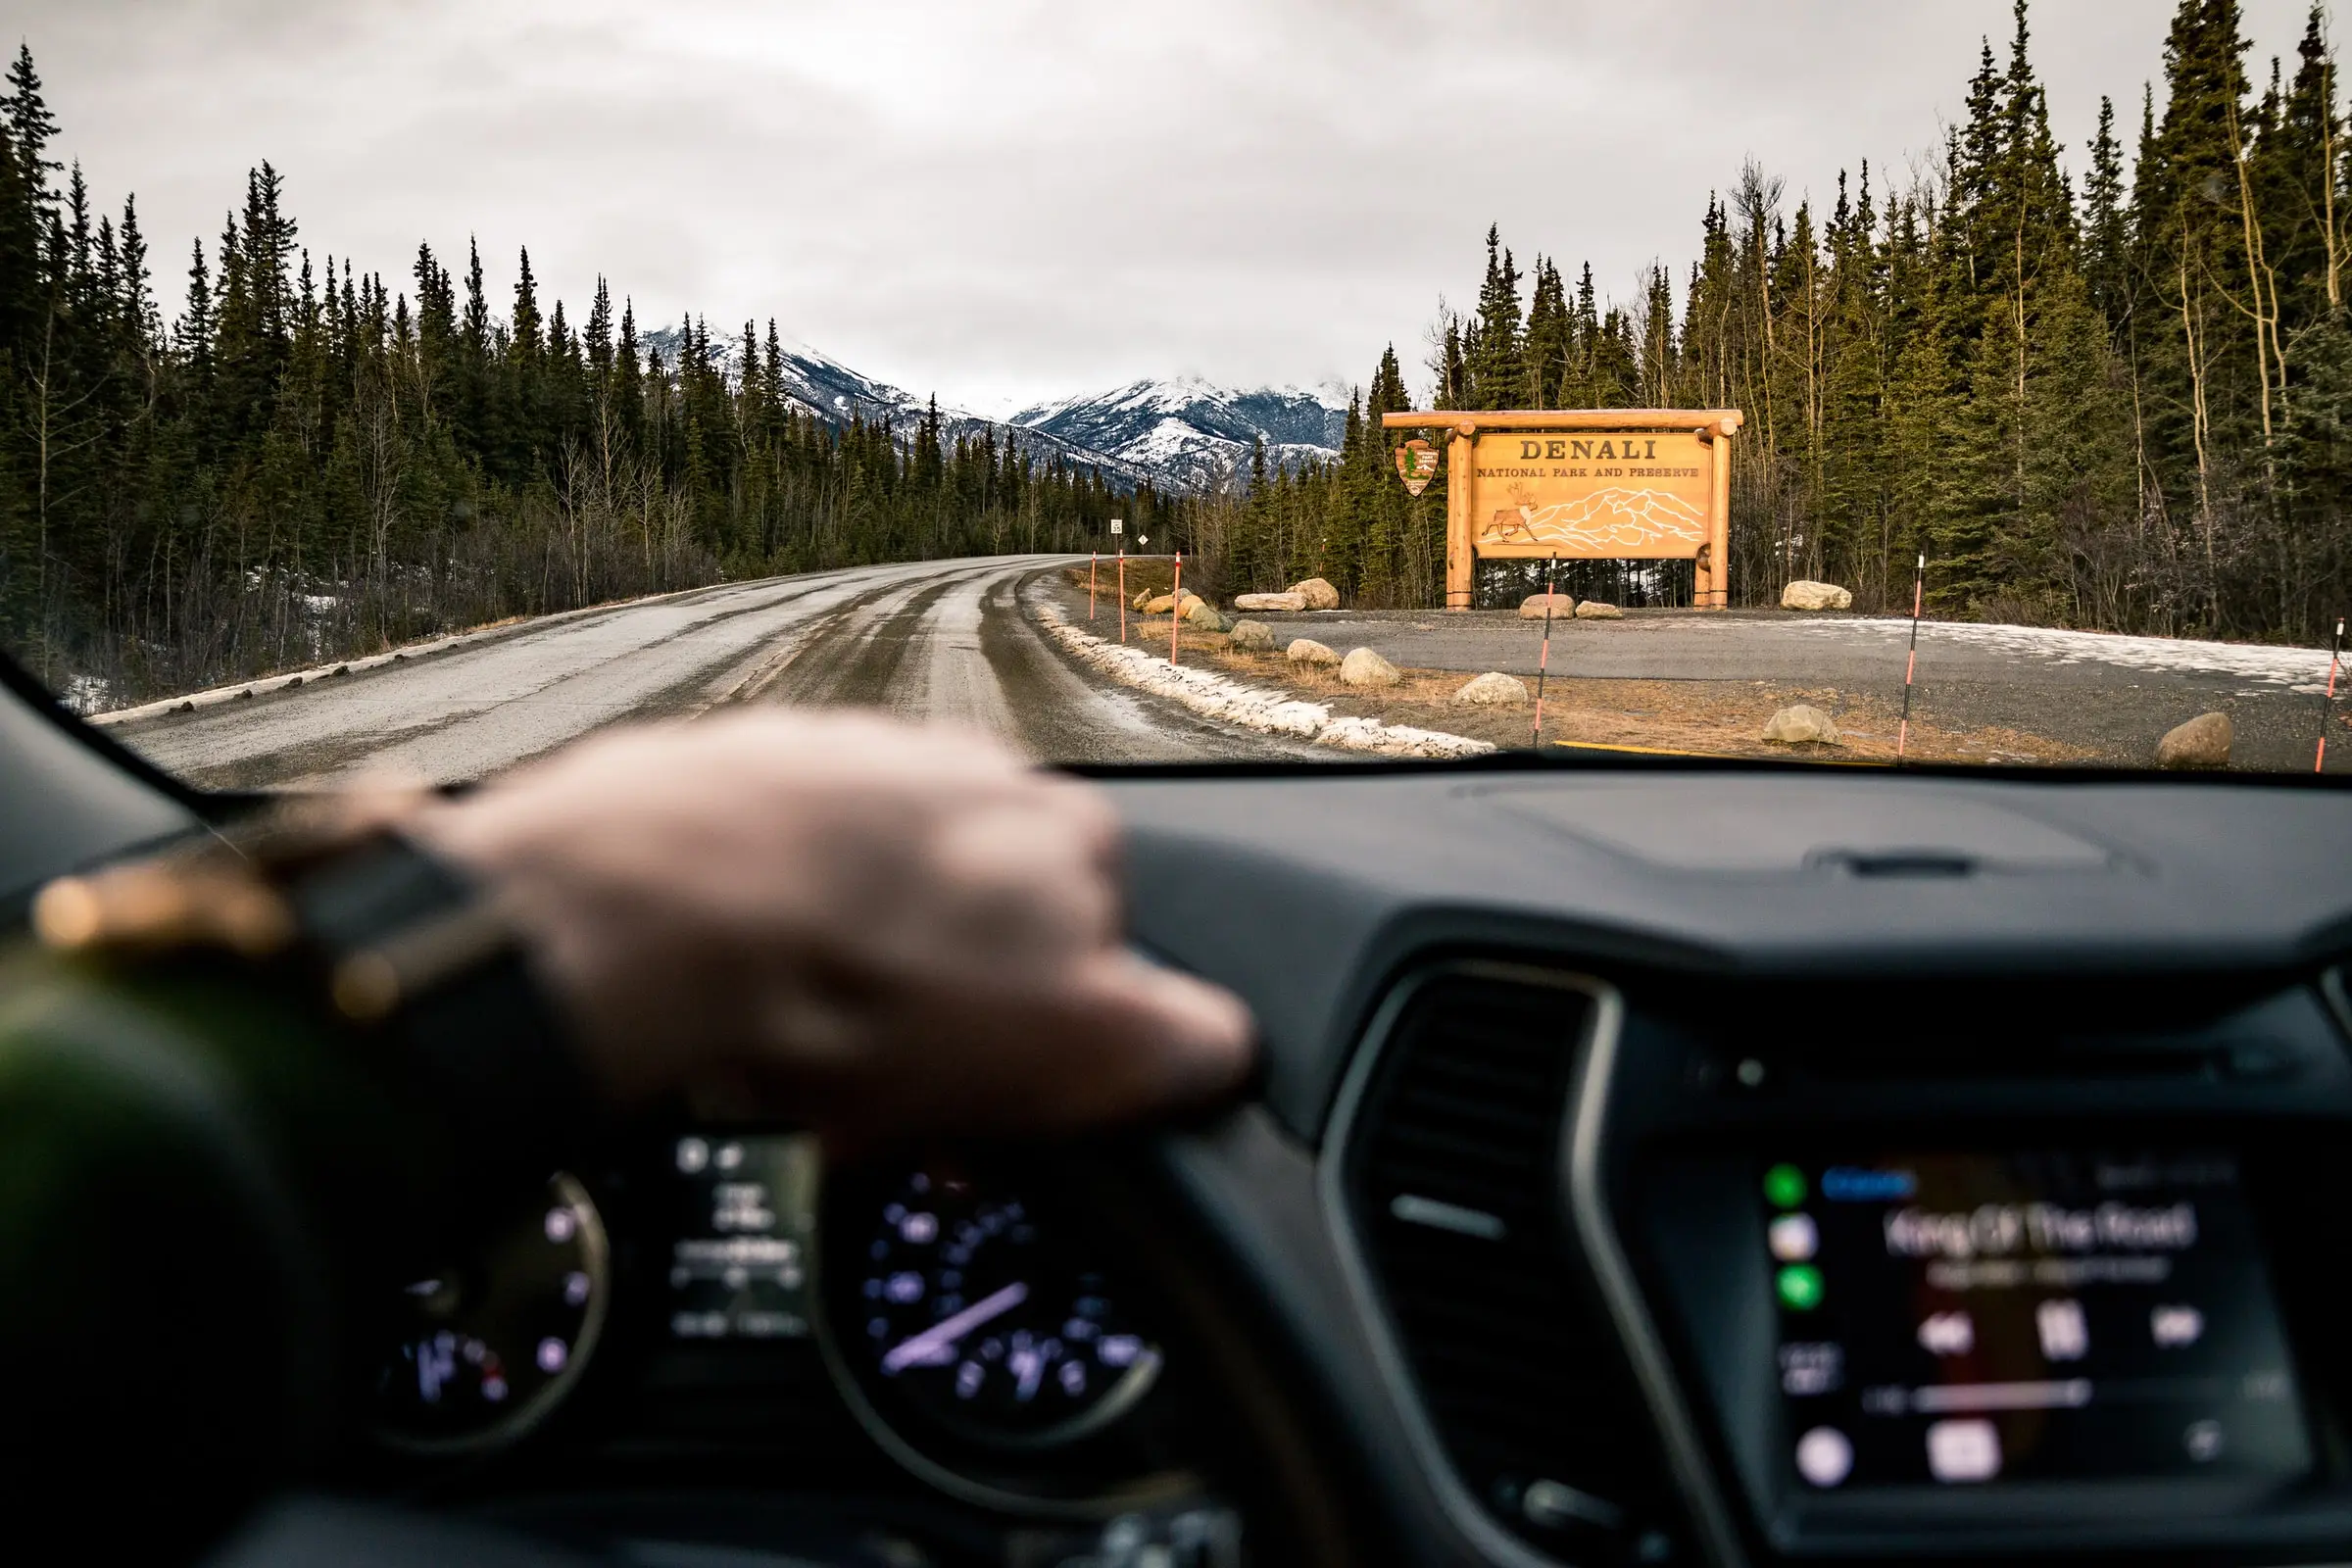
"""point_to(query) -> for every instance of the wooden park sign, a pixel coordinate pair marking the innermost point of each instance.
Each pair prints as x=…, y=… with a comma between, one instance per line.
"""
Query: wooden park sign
x=1586, y=484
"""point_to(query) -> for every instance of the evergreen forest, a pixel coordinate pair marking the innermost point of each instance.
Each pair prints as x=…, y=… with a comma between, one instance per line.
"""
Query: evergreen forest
x=2112, y=391
x=2120, y=401
x=310, y=460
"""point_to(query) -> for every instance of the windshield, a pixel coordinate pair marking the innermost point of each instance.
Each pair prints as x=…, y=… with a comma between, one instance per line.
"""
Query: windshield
x=1260, y=384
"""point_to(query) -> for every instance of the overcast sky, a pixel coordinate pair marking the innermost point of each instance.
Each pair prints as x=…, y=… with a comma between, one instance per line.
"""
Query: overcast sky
x=1004, y=201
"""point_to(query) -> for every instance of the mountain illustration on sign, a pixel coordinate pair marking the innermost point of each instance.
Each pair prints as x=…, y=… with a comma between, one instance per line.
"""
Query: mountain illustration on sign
x=1607, y=522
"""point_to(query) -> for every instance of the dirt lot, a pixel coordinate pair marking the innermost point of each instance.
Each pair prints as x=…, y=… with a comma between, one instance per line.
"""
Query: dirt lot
x=1719, y=719
x=1680, y=682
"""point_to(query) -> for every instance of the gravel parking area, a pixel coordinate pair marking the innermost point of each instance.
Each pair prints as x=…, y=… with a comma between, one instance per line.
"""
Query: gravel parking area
x=1694, y=680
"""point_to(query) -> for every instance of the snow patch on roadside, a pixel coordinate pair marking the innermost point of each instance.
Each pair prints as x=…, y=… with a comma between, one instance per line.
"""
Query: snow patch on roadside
x=1227, y=700
x=2301, y=669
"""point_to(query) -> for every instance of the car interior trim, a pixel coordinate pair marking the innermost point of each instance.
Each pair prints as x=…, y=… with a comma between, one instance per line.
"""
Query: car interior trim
x=1582, y=1155
x=1465, y=1511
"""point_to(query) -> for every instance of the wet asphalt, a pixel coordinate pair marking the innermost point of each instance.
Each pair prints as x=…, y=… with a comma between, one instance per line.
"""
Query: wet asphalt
x=957, y=641
x=952, y=641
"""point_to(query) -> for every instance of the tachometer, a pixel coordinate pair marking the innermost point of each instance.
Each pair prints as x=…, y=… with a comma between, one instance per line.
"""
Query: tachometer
x=489, y=1343
x=969, y=1306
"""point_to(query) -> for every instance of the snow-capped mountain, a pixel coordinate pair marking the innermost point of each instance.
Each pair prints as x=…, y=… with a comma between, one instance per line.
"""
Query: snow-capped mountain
x=1192, y=432
x=829, y=389
x=1184, y=434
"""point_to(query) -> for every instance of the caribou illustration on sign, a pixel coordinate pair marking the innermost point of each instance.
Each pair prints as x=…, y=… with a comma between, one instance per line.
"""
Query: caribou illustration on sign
x=1616, y=522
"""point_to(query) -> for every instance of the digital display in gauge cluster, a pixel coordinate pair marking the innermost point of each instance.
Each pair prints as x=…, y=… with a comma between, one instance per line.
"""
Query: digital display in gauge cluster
x=1970, y=1319
x=745, y=1220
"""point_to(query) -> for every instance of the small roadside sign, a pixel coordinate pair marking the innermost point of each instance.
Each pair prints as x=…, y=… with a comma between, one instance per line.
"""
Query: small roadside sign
x=1119, y=526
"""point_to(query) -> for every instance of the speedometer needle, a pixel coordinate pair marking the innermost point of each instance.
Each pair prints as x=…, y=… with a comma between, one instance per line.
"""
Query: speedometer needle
x=948, y=1330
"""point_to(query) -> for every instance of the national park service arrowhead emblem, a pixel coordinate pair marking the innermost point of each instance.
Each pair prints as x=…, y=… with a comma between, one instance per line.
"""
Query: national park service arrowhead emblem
x=1416, y=464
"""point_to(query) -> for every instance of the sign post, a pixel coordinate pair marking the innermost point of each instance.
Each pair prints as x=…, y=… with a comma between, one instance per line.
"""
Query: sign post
x=1093, y=559
x=1117, y=529
x=1582, y=484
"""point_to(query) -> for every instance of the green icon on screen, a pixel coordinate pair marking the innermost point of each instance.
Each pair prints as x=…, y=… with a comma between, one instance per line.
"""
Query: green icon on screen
x=1784, y=1186
x=1799, y=1287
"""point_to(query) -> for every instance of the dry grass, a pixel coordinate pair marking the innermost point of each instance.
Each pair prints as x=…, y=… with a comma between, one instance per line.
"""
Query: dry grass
x=1145, y=573
x=1715, y=719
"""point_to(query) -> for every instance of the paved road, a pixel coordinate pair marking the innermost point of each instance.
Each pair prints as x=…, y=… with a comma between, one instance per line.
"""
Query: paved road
x=936, y=640
x=956, y=641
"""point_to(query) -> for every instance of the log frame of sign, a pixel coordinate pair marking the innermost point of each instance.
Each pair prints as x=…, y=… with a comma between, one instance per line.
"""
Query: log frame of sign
x=1714, y=428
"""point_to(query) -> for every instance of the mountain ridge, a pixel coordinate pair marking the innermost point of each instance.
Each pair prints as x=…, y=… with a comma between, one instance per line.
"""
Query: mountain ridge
x=1198, y=432
x=818, y=385
x=1182, y=432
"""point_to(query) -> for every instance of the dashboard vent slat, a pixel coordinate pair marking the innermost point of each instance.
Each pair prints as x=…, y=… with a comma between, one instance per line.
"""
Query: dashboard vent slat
x=1514, y=1364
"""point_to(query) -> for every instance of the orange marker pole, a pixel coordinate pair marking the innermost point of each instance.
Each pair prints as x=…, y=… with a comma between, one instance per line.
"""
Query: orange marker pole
x=1918, y=590
x=1176, y=606
x=1543, y=658
x=2335, y=661
x=1122, y=593
x=1092, y=558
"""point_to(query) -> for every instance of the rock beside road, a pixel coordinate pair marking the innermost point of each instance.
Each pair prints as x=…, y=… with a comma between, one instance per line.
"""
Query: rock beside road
x=1308, y=651
x=1252, y=636
x=1494, y=689
x=1364, y=667
x=1561, y=607
x=1317, y=594
x=2202, y=742
x=1806, y=595
x=1203, y=615
x=1161, y=604
x=1594, y=609
x=1287, y=601
x=1801, y=724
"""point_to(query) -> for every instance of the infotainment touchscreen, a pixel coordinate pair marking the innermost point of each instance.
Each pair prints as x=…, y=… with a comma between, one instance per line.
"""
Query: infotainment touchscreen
x=1974, y=1319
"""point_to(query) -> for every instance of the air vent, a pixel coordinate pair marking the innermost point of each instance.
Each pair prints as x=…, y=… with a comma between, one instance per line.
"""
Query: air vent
x=1450, y=1172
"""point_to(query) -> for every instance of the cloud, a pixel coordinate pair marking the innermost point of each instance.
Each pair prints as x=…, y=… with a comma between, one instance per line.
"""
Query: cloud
x=1014, y=201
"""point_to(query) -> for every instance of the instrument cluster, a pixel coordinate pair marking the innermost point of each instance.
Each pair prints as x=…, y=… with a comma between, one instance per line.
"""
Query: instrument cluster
x=959, y=1310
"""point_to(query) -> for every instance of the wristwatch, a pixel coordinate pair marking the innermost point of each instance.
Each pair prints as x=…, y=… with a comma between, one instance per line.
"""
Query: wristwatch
x=391, y=946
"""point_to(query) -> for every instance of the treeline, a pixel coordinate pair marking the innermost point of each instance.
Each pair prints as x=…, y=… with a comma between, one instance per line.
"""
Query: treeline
x=309, y=461
x=2126, y=404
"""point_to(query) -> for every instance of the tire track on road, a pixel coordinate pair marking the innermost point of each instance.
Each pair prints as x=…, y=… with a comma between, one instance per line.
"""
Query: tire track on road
x=853, y=655
x=1067, y=715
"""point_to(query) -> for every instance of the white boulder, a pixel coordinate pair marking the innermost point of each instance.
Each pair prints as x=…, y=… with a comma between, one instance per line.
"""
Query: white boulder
x=1203, y=614
x=1364, y=667
x=1494, y=689
x=1801, y=725
x=1317, y=594
x=1289, y=602
x=2203, y=742
x=1596, y=609
x=1562, y=607
x=1308, y=651
x=1804, y=595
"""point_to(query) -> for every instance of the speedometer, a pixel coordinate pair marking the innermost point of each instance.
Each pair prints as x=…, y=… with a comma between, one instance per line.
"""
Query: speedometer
x=968, y=1306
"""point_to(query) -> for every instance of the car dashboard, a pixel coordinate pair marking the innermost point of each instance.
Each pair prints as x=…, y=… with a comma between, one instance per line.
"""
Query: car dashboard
x=1648, y=1166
